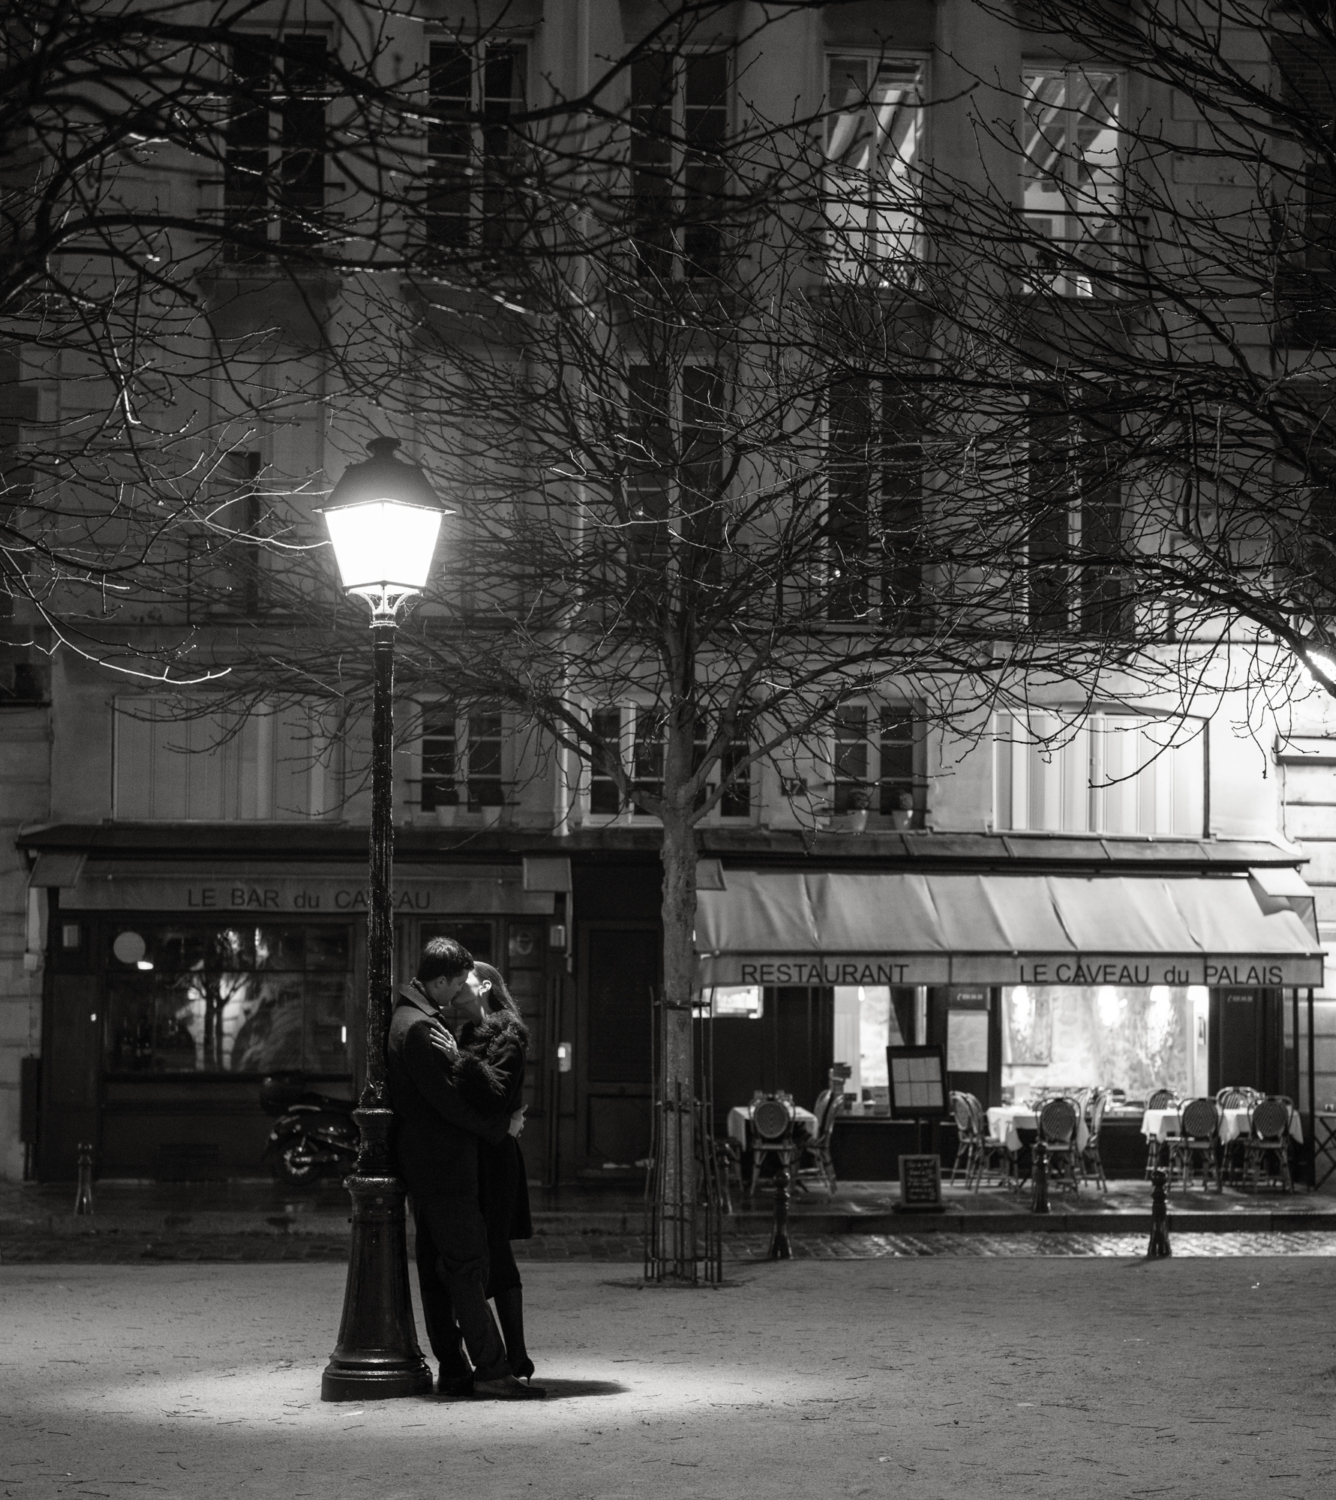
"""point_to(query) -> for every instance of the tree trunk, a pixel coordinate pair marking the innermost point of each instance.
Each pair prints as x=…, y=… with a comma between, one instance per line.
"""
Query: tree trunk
x=675, y=1210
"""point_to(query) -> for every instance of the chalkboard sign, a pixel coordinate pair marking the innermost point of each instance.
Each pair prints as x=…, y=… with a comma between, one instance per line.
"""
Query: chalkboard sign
x=920, y=1182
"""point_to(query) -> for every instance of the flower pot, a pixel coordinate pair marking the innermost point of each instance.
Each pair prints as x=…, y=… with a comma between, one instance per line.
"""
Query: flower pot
x=857, y=819
x=445, y=816
x=902, y=818
x=491, y=816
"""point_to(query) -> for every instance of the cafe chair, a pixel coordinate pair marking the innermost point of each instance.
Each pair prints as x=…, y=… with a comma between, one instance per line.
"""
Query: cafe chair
x=814, y=1159
x=967, y=1136
x=989, y=1151
x=1268, y=1139
x=1091, y=1164
x=1057, y=1130
x=1197, y=1138
x=1160, y=1148
x=772, y=1133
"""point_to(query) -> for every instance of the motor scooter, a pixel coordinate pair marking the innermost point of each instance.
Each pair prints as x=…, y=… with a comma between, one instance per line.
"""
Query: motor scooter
x=315, y=1135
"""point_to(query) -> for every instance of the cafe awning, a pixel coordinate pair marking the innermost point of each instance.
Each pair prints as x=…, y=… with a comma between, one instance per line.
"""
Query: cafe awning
x=827, y=928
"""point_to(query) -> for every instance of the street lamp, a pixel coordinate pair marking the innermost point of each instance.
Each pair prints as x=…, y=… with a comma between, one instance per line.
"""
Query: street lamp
x=383, y=519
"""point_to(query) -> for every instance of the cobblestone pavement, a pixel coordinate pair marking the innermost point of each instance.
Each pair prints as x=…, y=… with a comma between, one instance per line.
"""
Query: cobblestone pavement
x=119, y=1248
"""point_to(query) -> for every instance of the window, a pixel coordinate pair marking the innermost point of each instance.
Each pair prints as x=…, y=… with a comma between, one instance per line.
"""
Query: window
x=274, y=169
x=876, y=754
x=1072, y=176
x=1108, y=773
x=226, y=564
x=675, y=474
x=874, y=509
x=281, y=764
x=1075, y=520
x=874, y=140
x=1306, y=66
x=679, y=131
x=183, y=998
x=462, y=758
x=635, y=735
x=473, y=155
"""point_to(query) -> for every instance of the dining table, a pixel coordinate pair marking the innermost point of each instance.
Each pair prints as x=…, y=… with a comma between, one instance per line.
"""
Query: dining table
x=1235, y=1123
x=739, y=1123
x=1161, y=1124
x=1006, y=1122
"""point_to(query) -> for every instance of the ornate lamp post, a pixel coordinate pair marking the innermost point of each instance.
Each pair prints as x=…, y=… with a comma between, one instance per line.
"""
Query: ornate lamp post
x=383, y=519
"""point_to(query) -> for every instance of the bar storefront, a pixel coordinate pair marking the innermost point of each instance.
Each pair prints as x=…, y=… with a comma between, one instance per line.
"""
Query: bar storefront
x=1130, y=982
x=172, y=991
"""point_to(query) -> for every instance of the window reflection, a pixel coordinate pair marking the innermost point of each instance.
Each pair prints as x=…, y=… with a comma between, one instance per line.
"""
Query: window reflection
x=237, y=999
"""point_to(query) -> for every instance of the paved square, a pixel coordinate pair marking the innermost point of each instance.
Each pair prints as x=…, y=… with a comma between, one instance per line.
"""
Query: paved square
x=914, y=1378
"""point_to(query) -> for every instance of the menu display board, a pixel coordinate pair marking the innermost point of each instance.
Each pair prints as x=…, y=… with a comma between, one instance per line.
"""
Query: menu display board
x=920, y=1182
x=917, y=1082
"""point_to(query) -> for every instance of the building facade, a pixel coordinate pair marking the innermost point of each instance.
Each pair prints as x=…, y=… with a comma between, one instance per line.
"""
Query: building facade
x=183, y=897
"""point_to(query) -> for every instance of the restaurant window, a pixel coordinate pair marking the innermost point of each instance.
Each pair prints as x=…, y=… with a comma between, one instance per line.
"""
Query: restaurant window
x=877, y=751
x=274, y=145
x=182, y=763
x=1137, y=1039
x=462, y=757
x=185, y=998
x=679, y=134
x=1104, y=773
x=474, y=144
x=873, y=145
x=1072, y=176
x=874, y=507
x=868, y=1019
x=1306, y=76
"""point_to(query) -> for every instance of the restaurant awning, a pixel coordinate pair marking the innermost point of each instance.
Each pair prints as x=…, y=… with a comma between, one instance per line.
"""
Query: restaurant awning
x=828, y=928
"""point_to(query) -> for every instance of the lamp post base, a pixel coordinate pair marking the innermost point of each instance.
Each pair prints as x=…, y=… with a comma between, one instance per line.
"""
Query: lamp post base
x=377, y=1355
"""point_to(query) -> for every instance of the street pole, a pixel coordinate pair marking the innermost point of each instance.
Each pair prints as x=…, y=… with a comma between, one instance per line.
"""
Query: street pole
x=377, y=1354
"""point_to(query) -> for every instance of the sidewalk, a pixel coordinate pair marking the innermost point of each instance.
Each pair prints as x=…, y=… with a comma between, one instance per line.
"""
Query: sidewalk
x=932, y=1379
x=257, y=1221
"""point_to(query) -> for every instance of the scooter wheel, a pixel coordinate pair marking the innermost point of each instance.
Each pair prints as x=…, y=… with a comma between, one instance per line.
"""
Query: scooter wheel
x=295, y=1165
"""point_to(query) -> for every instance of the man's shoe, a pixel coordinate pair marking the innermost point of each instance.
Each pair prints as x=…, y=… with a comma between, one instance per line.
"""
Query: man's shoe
x=507, y=1388
x=456, y=1387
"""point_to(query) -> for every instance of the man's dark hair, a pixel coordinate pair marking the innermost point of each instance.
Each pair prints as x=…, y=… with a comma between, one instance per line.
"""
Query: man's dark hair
x=443, y=958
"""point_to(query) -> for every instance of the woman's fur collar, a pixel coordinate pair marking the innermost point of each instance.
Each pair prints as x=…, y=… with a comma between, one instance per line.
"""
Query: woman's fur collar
x=484, y=1048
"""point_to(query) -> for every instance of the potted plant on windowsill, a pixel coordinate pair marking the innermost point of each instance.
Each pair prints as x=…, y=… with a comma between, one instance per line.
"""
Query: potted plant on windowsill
x=860, y=804
x=446, y=812
x=902, y=814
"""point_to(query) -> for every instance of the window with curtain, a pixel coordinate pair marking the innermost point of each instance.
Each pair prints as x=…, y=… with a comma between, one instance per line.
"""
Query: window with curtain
x=1105, y=773
x=873, y=143
x=1072, y=175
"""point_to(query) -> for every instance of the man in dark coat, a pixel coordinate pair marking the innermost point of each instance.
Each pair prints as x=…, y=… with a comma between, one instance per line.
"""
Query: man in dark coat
x=436, y=1143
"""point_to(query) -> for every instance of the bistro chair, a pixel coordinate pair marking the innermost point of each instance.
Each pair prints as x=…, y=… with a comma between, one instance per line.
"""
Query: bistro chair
x=1158, y=1148
x=718, y=1163
x=1091, y=1165
x=814, y=1158
x=1268, y=1138
x=989, y=1148
x=772, y=1133
x=1057, y=1130
x=1234, y=1096
x=967, y=1142
x=1198, y=1137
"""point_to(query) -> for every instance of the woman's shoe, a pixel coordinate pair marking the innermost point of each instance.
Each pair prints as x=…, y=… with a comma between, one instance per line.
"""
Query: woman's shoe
x=510, y=1315
x=522, y=1369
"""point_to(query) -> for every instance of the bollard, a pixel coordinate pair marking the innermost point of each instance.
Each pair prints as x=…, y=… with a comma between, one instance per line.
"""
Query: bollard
x=83, y=1194
x=780, y=1249
x=1159, y=1218
x=1039, y=1201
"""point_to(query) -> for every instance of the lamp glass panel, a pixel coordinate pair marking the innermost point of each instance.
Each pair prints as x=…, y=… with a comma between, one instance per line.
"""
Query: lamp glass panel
x=383, y=541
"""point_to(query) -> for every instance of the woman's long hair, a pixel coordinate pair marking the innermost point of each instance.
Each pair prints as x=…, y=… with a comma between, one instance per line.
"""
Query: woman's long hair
x=499, y=997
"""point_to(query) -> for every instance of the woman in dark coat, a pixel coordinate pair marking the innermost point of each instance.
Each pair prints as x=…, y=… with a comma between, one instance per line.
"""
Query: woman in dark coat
x=493, y=1048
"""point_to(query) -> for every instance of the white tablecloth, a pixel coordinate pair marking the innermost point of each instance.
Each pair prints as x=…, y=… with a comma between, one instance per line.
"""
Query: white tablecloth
x=1006, y=1121
x=739, y=1122
x=1234, y=1123
x=1161, y=1123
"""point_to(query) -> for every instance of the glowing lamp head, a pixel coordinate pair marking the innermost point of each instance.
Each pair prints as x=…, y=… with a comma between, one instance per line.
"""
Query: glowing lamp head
x=383, y=520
